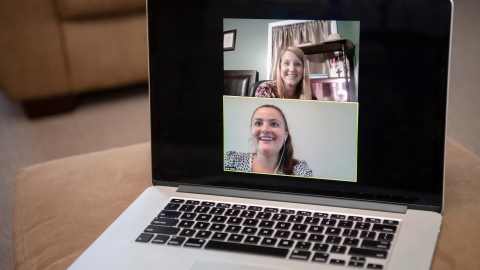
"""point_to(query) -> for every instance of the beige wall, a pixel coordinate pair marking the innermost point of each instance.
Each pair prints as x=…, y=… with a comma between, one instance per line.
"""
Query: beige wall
x=464, y=100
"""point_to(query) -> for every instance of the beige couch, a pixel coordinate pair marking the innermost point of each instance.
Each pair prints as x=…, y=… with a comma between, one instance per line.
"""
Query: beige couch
x=53, y=50
x=62, y=206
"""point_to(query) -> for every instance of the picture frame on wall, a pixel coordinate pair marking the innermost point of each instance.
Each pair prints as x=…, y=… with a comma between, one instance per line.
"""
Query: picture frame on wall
x=229, y=38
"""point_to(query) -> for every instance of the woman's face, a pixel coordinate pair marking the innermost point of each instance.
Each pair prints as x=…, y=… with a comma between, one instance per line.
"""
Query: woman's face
x=291, y=69
x=268, y=131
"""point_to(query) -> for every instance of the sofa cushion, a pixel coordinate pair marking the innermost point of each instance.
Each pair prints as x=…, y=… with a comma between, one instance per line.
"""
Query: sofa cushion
x=79, y=9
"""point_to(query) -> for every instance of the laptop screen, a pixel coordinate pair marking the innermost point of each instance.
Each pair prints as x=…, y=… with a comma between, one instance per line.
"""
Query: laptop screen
x=363, y=117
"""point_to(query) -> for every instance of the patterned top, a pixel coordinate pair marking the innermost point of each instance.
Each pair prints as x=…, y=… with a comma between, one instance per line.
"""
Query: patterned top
x=267, y=89
x=236, y=161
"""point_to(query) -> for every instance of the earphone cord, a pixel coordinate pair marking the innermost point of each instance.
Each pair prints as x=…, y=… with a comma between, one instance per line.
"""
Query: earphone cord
x=283, y=150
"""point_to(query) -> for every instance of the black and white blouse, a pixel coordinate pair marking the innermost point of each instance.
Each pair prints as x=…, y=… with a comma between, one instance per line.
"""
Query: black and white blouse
x=242, y=162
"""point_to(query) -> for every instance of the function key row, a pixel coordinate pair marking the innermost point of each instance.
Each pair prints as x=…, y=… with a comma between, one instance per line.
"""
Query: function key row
x=189, y=205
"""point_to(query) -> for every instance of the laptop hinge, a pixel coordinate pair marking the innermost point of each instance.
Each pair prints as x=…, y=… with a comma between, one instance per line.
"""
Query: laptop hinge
x=259, y=195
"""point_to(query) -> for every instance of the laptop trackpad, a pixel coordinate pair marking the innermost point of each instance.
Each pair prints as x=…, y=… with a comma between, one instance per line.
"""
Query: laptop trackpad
x=216, y=265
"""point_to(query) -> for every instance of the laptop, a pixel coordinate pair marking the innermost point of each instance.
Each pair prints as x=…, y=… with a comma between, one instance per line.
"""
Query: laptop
x=363, y=185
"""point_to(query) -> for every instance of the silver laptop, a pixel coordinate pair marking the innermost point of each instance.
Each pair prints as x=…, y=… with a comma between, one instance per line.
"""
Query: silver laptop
x=314, y=139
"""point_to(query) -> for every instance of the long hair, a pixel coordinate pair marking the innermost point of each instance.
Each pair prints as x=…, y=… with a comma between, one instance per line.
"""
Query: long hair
x=303, y=90
x=287, y=162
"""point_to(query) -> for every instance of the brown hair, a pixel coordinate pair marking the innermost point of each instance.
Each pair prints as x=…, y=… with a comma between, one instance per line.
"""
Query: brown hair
x=303, y=90
x=287, y=161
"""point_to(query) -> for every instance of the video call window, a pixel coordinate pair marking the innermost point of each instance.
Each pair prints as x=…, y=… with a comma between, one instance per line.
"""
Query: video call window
x=290, y=98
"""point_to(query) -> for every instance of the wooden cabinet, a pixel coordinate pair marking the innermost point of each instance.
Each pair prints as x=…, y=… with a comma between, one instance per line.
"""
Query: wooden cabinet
x=335, y=88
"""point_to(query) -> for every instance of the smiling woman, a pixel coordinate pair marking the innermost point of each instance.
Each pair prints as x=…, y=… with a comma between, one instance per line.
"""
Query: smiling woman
x=294, y=82
x=273, y=144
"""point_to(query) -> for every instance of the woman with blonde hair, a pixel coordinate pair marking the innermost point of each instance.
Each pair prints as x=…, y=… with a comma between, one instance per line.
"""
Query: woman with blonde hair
x=292, y=77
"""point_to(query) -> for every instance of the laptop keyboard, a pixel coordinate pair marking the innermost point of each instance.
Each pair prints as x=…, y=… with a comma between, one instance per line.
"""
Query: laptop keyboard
x=285, y=233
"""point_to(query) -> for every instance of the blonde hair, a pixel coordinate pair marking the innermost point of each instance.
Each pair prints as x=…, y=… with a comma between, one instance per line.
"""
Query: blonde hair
x=303, y=90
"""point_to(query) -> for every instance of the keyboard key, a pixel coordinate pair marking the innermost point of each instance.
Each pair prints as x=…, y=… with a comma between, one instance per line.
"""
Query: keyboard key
x=252, y=249
x=328, y=222
x=250, y=222
x=249, y=230
x=303, y=245
x=316, y=238
x=223, y=205
x=337, y=262
x=338, y=249
x=187, y=208
x=202, y=209
x=286, y=243
x=269, y=241
x=193, y=242
x=265, y=232
x=355, y=218
x=176, y=241
x=282, y=234
x=385, y=237
x=235, y=238
x=368, y=235
x=300, y=255
x=201, y=225
x=380, y=254
x=248, y=214
x=320, y=247
x=232, y=212
x=266, y=224
x=162, y=230
x=203, y=234
x=186, y=224
x=192, y=202
x=203, y=217
x=316, y=229
x=334, y=216
x=188, y=216
x=219, y=219
x=373, y=220
x=320, y=257
x=287, y=211
x=350, y=233
x=304, y=213
x=379, y=245
x=357, y=259
x=351, y=242
x=217, y=227
x=362, y=226
x=235, y=220
x=390, y=222
x=165, y=222
x=333, y=240
x=233, y=229
x=169, y=214
x=374, y=266
x=239, y=207
x=255, y=208
x=160, y=239
x=207, y=204
x=299, y=236
x=296, y=219
x=263, y=215
x=283, y=226
x=172, y=206
x=188, y=232
x=312, y=220
x=384, y=228
x=144, y=237
x=299, y=227
x=333, y=231
x=252, y=239
x=279, y=217
x=219, y=236
x=320, y=215
x=356, y=264
x=345, y=224
x=217, y=211
x=177, y=201
x=270, y=210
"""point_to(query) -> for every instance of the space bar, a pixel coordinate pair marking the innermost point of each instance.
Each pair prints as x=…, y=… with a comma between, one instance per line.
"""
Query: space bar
x=260, y=250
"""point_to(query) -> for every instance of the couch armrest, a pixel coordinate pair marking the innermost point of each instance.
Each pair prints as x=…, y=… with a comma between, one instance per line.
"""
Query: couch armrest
x=31, y=52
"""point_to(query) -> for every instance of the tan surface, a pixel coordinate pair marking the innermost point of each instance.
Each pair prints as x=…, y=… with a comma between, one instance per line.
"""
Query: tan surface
x=76, y=9
x=79, y=197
